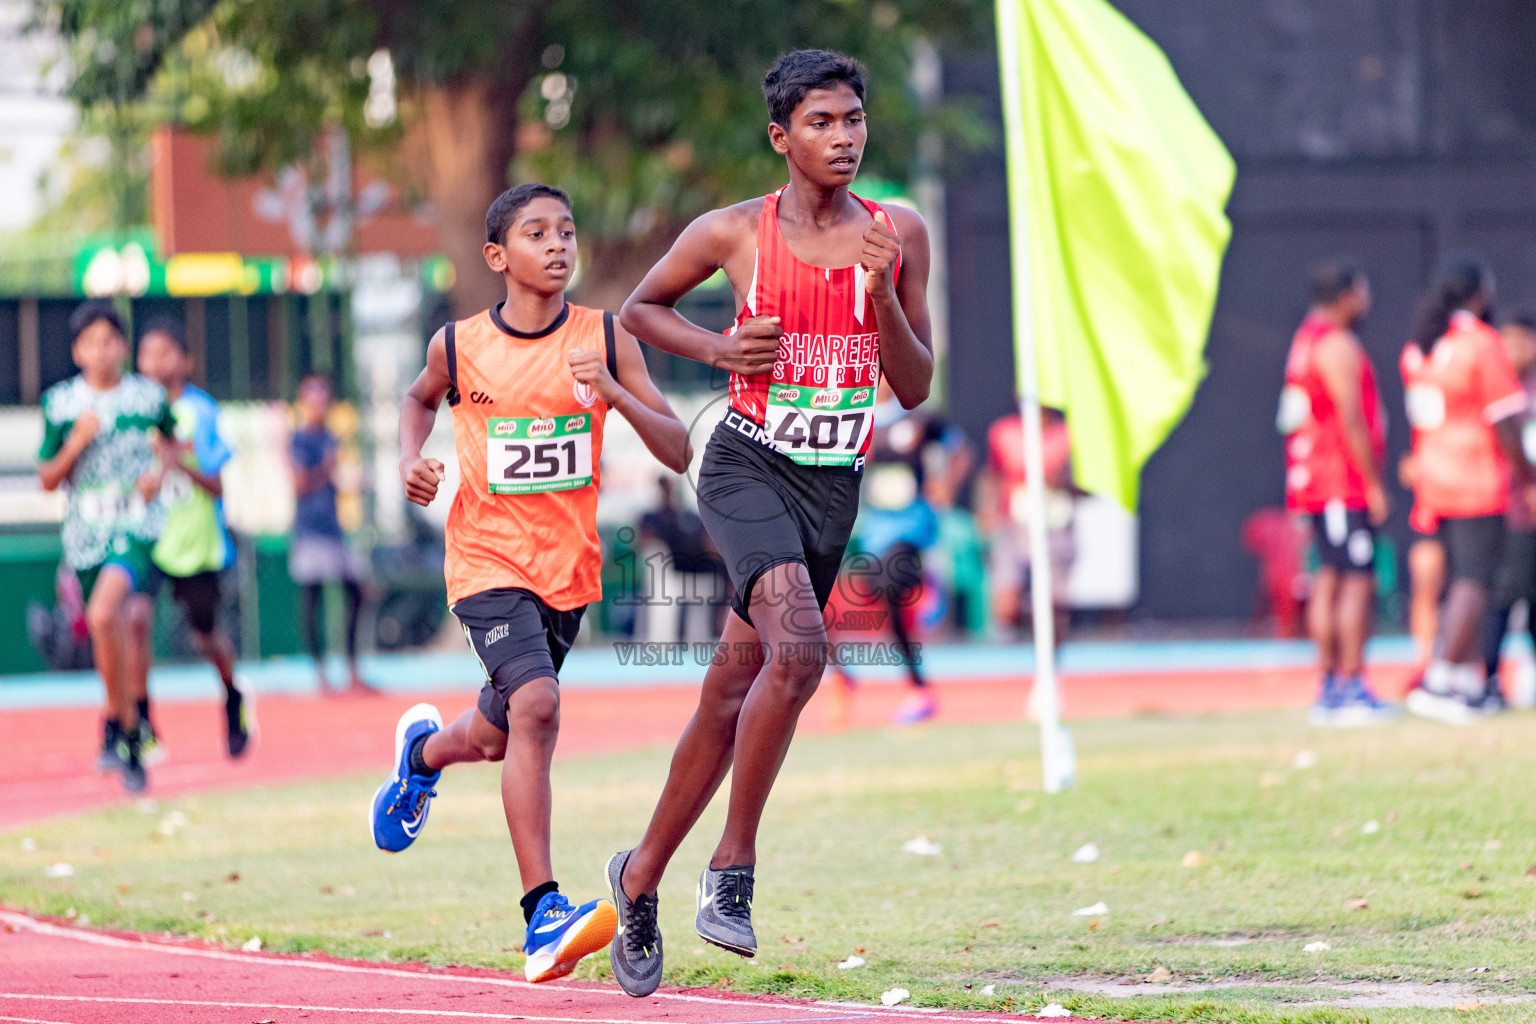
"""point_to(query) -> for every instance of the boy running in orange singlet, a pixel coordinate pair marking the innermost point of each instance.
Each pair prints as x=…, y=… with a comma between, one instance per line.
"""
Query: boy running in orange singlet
x=830, y=291
x=530, y=383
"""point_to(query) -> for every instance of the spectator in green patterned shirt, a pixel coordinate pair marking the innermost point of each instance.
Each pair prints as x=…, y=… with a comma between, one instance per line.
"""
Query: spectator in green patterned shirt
x=99, y=430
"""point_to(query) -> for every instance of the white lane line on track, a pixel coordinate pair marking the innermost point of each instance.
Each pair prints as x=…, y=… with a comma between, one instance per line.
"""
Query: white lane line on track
x=312, y=1008
x=33, y=1020
x=309, y=1008
x=22, y=921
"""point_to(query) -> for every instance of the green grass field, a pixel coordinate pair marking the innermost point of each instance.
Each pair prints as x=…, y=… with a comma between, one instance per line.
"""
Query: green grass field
x=1285, y=857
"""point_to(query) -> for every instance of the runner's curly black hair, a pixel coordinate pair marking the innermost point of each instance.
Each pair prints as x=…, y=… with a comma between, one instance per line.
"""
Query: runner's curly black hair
x=795, y=74
x=505, y=207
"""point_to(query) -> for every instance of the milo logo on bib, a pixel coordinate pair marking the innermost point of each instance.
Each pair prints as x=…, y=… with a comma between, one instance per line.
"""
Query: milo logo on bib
x=821, y=397
x=533, y=454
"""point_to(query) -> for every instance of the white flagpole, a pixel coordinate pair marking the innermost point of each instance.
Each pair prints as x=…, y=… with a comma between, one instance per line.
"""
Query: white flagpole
x=1056, y=769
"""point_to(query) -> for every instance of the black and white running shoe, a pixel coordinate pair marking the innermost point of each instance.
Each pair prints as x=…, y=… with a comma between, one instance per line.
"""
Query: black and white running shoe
x=725, y=909
x=635, y=953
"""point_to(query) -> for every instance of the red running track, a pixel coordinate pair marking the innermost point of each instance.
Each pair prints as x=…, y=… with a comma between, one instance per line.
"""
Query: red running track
x=56, y=974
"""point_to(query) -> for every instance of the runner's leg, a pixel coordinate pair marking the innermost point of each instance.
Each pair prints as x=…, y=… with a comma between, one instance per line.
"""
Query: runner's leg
x=1426, y=574
x=466, y=739
x=313, y=593
x=1322, y=607
x=533, y=715
x=1464, y=605
x=104, y=617
x=789, y=623
x=1355, y=606
x=702, y=758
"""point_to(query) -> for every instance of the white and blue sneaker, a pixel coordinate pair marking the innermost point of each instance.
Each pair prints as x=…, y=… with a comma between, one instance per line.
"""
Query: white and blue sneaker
x=401, y=804
x=1358, y=706
x=559, y=935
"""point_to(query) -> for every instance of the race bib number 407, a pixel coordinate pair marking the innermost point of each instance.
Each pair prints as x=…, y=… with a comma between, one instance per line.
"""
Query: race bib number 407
x=527, y=455
x=820, y=426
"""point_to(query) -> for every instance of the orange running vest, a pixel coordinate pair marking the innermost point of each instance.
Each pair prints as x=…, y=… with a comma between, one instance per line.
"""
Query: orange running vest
x=529, y=438
x=817, y=404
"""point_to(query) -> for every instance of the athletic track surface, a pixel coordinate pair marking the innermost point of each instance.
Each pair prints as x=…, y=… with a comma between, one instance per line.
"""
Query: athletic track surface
x=55, y=973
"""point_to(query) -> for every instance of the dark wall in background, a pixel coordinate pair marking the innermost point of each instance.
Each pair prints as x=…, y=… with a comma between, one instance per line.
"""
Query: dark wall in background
x=1393, y=132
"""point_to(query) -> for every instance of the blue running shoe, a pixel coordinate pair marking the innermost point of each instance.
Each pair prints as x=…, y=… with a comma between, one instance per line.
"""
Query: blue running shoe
x=1358, y=706
x=1326, y=710
x=560, y=935
x=400, y=806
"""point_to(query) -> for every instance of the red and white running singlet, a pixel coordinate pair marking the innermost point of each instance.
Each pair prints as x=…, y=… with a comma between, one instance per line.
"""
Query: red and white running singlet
x=817, y=404
x=1319, y=467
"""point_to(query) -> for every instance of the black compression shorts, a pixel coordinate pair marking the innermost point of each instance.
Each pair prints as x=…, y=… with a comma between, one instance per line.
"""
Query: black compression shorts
x=763, y=510
x=1346, y=540
x=197, y=594
x=518, y=638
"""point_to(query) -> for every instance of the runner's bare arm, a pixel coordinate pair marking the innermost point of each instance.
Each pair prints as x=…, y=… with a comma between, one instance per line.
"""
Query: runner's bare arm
x=1338, y=363
x=54, y=471
x=213, y=483
x=418, y=411
x=634, y=396
x=901, y=307
x=702, y=248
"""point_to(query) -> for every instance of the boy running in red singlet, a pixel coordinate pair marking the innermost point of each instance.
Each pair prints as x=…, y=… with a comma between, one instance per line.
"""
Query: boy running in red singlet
x=830, y=291
x=530, y=383
x=1335, y=438
x=1466, y=406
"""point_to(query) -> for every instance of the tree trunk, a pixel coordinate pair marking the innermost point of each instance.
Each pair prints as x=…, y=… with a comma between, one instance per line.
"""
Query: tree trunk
x=612, y=267
x=471, y=129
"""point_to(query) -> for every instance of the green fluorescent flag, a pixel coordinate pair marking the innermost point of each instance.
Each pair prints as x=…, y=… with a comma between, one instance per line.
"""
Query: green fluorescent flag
x=1117, y=188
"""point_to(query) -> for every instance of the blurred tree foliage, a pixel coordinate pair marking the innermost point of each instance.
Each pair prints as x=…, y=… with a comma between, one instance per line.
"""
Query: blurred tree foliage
x=647, y=111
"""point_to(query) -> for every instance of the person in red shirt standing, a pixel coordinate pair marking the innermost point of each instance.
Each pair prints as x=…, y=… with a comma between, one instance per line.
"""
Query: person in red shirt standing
x=1466, y=406
x=1331, y=417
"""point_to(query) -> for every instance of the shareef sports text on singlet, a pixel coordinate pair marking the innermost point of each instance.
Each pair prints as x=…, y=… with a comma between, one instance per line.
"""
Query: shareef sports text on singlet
x=817, y=404
x=821, y=398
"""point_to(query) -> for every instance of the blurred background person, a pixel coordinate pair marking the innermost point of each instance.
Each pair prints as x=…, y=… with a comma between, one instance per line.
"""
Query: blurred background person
x=1426, y=577
x=320, y=553
x=913, y=455
x=1516, y=578
x=1002, y=513
x=1335, y=439
x=691, y=589
x=194, y=546
x=1467, y=407
x=102, y=428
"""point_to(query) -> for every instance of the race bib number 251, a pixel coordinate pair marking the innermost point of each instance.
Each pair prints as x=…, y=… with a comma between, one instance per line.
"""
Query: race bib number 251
x=527, y=455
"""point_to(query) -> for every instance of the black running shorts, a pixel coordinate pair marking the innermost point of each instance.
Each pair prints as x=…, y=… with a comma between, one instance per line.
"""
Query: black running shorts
x=763, y=510
x=197, y=594
x=1346, y=540
x=1474, y=546
x=518, y=638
